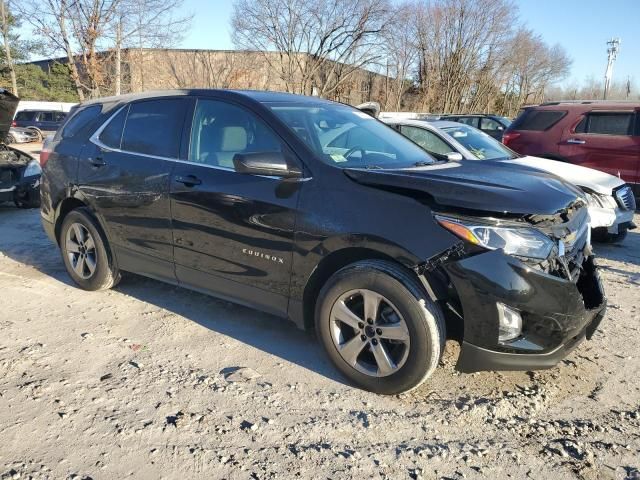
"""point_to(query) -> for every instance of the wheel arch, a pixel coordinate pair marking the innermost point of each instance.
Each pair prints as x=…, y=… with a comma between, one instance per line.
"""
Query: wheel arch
x=334, y=262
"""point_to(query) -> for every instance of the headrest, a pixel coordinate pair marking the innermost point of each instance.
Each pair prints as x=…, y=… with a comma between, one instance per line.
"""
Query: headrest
x=234, y=139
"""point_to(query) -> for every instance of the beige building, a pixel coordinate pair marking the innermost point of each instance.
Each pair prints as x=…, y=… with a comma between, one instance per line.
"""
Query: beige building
x=154, y=69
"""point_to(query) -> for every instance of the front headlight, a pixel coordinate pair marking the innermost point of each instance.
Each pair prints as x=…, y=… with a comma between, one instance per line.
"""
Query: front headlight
x=32, y=169
x=600, y=201
x=518, y=241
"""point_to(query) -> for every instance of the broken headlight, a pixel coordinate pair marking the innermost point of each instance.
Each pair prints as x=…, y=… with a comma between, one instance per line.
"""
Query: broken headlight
x=32, y=169
x=518, y=241
x=600, y=201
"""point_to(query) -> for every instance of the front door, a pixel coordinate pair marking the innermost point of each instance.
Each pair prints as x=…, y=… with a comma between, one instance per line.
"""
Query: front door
x=233, y=233
x=124, y=173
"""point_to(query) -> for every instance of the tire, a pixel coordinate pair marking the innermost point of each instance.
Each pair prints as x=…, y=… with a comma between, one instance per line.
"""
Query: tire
x=104, y=274
x=603, y=236
x=39, y=136
x=10, y=139
x=402, y=299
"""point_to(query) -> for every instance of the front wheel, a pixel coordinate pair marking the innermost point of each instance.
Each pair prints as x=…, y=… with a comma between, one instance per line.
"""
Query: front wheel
x=601, y=235
x=379, y=327
x=85, y=252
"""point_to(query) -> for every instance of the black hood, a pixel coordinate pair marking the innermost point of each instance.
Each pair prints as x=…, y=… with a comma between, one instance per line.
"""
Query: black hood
x=486, y=186
x=8, y=106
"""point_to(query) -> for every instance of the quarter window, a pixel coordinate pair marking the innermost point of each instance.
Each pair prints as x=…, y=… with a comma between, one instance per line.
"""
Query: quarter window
x=111, y=135
x=426, y=139
x=154, y=127
x=537, y=120
x=79, y=120
x=609, y=123
x=221, y=130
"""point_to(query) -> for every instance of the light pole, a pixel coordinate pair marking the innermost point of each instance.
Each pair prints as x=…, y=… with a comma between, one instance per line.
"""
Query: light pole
x=612, y=54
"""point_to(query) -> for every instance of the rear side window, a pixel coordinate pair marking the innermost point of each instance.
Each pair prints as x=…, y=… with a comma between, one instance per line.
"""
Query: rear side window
x=111, y=135
x=537, y=120
x=25, y=116
x=79, y=120
x=606, y=123
x=426, y=139
x=155, y=127
x=47, y=116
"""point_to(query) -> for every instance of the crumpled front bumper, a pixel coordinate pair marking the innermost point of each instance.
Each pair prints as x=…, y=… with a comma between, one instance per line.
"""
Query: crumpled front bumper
x=557, y=314
x=25, y=188
x=613, y=219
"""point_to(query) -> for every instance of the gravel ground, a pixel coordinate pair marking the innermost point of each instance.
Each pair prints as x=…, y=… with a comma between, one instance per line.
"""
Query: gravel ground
x=154, y=381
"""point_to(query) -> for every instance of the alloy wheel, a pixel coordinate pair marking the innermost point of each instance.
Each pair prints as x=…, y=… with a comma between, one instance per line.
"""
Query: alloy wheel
x=369, y=333
x=81, y=250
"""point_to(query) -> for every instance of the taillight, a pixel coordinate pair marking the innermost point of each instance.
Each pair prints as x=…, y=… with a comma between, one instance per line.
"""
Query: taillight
x=509, y=136
x=14, y=124
x=44, y=157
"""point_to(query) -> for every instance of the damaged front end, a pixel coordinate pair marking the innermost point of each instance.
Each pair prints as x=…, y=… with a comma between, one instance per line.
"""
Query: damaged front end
x=526, y=289
x=19, y=178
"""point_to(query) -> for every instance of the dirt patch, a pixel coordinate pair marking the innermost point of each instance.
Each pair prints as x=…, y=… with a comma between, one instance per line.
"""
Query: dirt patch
x=155, y=381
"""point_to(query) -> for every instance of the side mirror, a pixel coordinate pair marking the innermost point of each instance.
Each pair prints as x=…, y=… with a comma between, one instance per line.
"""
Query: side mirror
x=454, y=156
x=271, y=164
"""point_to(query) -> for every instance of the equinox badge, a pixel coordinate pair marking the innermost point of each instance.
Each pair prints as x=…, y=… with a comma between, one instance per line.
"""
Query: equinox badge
x=266, y=256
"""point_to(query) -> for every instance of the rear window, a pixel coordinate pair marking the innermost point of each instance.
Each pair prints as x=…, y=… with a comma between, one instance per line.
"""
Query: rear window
x=537, y=120
x=607, y=123
x=25, y=116
x=155, y=127
x=80, y=120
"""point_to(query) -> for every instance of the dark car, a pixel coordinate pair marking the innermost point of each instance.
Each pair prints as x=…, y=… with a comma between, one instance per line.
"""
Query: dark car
x=19, y=172
x=317, y=212
x=493, y=125
x=603, y=135
x=42, y=122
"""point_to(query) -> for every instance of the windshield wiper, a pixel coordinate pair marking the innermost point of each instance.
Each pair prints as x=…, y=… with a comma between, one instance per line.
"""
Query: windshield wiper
x=373, y=167
x=422, y=163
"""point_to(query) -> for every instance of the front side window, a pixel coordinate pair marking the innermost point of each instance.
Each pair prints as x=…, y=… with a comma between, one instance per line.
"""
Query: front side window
x=348, y=138
x=426, y=139
x=154, y=127
x=490, y=124
x=481, y=145
x=609, y=123
x=221, y=130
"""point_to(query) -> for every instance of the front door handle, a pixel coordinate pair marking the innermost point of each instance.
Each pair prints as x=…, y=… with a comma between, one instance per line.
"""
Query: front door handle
x=576, y=141
x=97, y=161
x=188, y=180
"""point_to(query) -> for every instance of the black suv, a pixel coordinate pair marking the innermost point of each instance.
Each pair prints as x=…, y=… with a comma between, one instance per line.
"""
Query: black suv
x=42, y=122
x=493, y=125
x=317, y=212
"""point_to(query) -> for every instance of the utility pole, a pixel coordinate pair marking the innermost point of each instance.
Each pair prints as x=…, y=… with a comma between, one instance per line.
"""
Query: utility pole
x=612, y=54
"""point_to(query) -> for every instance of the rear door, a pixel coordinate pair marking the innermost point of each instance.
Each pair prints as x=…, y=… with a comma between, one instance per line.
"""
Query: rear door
x=605, y=140
x=233, y=233
x=125, y=174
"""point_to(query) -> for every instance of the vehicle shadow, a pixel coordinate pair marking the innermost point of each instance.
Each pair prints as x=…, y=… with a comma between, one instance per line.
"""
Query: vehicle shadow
x=627, y=251
x=271, y=334
x=23, y=240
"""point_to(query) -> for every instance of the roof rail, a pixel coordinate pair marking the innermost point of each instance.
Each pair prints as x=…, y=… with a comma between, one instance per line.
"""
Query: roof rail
x=585, y=102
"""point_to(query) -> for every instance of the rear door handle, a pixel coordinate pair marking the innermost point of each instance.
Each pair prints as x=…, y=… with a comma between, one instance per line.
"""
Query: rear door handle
x=188, y=180
x=576, y=141
x=97, y=162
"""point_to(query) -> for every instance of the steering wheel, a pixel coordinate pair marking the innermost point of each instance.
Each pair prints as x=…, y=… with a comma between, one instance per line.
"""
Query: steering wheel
x=355, y=149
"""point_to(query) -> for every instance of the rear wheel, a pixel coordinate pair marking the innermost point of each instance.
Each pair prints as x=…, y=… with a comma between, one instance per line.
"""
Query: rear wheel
x=379, y=327
x=85, y=252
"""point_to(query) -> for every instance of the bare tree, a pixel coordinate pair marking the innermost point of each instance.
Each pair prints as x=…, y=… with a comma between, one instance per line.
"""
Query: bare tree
x=6, y=42
x=313, y=46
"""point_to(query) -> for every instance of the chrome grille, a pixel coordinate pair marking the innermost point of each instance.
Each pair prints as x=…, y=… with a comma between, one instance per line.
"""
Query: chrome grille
x=625, y=198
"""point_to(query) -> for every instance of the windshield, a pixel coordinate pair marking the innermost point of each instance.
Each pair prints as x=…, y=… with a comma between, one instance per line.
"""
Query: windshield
x=481, y=145
x=347, y=138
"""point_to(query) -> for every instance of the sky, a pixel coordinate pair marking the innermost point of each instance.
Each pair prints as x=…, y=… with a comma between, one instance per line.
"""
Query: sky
x=582, y=27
